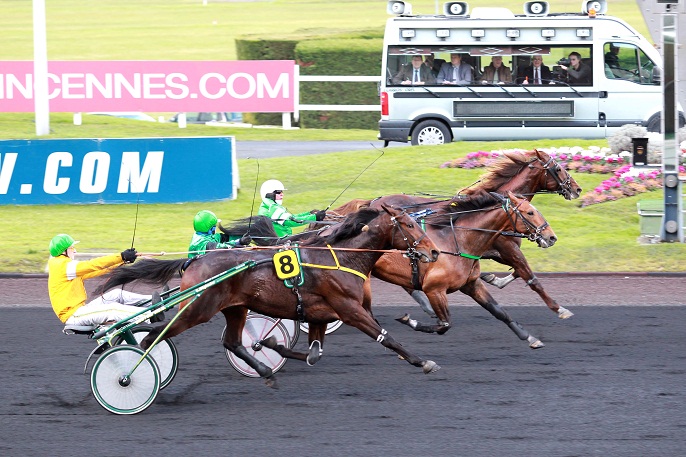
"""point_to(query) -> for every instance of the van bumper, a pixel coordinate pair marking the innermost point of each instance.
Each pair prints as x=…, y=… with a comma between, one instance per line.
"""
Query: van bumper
x=394, y=130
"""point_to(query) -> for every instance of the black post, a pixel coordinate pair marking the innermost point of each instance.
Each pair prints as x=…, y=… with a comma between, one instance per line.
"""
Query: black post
x=640, y=156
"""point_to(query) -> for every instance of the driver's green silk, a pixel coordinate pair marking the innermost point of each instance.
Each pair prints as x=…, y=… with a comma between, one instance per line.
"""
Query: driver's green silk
x=200, y=241
x=282, y=220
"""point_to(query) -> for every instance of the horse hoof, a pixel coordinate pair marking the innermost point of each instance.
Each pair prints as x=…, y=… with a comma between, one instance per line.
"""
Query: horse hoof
x=271, y=382
x=564, y=313
x=404, y=319
x=535, y=343
x=488, y=277
x=315, y=352
x=430, y=367
x=270, y=342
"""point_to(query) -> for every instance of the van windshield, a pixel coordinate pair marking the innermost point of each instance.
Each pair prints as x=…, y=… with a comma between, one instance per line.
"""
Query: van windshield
x=472, y=65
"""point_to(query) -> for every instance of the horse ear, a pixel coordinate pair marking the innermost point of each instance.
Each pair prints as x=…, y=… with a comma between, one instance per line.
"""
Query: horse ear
x=388, y=209
x=497, y=196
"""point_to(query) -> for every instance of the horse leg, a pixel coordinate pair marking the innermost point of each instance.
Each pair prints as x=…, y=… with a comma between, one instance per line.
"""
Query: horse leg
x=235, y=321
x=480, y=294
x=316, y=339
x=500, y=283
x=366, y=324
x=438, y=303
x=512, y=255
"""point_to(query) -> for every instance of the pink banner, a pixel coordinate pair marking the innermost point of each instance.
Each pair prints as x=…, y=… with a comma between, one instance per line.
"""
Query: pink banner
x=257, y=86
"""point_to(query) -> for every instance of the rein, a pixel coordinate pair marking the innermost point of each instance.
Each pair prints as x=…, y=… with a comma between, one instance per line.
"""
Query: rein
x=335, y=267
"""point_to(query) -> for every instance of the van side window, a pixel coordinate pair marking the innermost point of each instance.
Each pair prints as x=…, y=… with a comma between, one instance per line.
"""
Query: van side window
x=630, y=63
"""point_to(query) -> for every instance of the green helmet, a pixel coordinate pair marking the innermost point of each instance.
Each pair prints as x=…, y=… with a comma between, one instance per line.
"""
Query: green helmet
x=61, y=243
x=204, y=221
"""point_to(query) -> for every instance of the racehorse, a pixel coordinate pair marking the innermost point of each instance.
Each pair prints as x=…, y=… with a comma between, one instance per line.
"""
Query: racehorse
x=463, y=229
x=334, y=268
x=525, y=173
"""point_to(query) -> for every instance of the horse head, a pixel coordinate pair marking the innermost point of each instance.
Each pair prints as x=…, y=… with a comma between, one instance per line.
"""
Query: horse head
x=558, y=179
x=526, y=220
x=418, y=244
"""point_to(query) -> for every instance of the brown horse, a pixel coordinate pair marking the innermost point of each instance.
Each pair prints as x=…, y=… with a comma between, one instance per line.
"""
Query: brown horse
x=334, y=269
x=464, y=230
x=522, y=173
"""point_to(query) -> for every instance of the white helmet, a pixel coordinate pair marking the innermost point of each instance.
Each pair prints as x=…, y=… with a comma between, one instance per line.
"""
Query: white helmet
x=270, y=186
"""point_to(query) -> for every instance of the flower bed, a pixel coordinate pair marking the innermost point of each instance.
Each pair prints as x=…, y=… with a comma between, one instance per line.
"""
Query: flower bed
x=626, y=181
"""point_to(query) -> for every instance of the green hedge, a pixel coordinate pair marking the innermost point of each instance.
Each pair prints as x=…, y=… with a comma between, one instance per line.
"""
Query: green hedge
x=335, y=57
x=349, y=54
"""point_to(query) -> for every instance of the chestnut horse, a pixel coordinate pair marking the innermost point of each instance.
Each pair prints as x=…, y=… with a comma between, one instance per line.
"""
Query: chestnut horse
x=464, y=230
x=522, y=173
x=330, y=285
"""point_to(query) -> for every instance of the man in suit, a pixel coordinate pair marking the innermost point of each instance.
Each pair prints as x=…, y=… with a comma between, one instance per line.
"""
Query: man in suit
x=578, y=73
x=536, y=73
x=455, y=72
x=415, y=74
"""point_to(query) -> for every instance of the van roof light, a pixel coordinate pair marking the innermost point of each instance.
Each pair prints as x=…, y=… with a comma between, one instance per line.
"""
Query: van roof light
x=399, y=8
x=536, y=8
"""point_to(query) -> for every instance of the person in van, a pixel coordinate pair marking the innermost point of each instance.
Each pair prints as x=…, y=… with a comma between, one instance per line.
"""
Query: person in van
x=612, y=56
x=455, y=72
x=434, y=64
x=496, y=72
x=578, y=73
x=536, y=73
x=415, y=74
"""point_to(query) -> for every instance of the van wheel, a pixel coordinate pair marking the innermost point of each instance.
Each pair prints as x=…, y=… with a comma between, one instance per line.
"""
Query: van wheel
x=655, y=123
x=430, y=132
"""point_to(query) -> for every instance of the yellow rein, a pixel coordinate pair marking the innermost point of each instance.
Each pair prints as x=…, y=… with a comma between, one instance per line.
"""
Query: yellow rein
x=337, y=267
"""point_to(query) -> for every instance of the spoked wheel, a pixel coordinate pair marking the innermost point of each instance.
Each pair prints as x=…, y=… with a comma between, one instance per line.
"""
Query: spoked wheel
x=164, y=353
x=257, y=327
x=293, y=330
x=330, y=327
x=118, y=386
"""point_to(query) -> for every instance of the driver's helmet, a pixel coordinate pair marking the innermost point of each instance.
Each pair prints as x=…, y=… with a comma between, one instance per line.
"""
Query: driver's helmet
x=204, y=221
x=270, y=186
x=61, y=243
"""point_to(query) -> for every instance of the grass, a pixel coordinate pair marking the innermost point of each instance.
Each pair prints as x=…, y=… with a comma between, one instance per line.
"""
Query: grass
x=597, y=238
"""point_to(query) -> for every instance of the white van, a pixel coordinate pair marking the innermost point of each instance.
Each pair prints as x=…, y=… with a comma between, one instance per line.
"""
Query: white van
x=622, y=84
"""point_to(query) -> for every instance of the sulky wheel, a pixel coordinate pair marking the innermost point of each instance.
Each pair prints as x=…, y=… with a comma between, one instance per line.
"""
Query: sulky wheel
x=164, y=353
x=330, y=327
x=257, y=328
x=119, y=385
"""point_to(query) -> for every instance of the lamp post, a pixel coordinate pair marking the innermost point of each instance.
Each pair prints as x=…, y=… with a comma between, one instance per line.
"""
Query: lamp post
x=40, y=70
x=672, y=221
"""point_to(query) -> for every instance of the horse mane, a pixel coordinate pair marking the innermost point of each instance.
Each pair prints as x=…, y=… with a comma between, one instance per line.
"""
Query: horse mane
x=351, y=226
x=260, y=228
x=501, y=172
x=477, y=200
x=352, y=206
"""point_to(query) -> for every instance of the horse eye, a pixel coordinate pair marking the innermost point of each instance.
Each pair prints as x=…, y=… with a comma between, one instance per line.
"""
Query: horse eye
x=410, y=225
x=530, y=213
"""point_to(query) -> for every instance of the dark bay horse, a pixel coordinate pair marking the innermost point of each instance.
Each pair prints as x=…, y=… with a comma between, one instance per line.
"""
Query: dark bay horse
x=334, y=268
x=525, y=173
x=464, y=230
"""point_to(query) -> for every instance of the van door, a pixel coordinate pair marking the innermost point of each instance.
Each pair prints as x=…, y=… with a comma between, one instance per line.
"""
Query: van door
x=631, y=87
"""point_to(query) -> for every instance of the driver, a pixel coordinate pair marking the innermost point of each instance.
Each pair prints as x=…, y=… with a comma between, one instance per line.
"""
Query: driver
x=68, y=294
x=271, y=192
x=206, y=237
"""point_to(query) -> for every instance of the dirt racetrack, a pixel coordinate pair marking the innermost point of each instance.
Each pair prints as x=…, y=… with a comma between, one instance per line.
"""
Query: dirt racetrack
x=610, y=382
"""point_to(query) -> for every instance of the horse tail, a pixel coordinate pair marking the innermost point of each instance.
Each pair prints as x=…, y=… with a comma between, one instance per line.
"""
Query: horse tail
x=260, y=229
x=149, y=271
